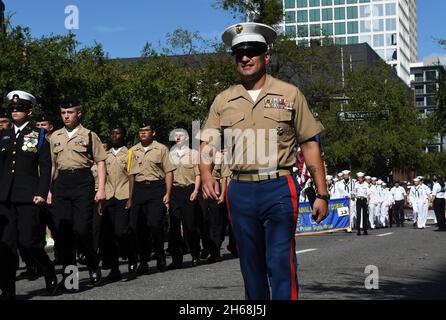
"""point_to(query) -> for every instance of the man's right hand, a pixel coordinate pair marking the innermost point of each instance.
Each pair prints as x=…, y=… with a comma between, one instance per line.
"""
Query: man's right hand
x=49, y=198
x=210, y=187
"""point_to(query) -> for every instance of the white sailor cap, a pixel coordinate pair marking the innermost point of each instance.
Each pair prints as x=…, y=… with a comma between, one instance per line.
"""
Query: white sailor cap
x=340, y=174
x=360, y=174
x=374, y=178
x=346, y=171
x=248, y=35
x=420, y=177
x=335, y=179
x=384, y=184
x=416, y=180
x=18, y=99
x=329, y=177
x=379, y=181
x=368, y=177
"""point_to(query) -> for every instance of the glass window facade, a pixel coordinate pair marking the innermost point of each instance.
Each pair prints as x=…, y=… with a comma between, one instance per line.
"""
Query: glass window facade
x=339, y=2
x=315, y=3
x=327, y=29
x=365, y=11
x=340, y=41
x=352, y=27
x=390, y=24
x=352, y=12
x=378, y=10
x=302, y=3
x=315, y=30
x=390, y=9
x=378, y=40
x=340, y=28
x=302, y=31
x=315, y=15
x=302, y=16
x=290, y=4
x=327, y=14
x=290, y=31
x=290, y=16
x=365, y=26
x=353, y=40
x=378, y=25
x=327, y=2
x=339, y=13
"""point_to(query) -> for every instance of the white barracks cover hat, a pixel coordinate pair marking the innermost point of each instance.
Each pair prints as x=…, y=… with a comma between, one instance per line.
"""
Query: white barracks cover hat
x=247, y=34
x=18, y=97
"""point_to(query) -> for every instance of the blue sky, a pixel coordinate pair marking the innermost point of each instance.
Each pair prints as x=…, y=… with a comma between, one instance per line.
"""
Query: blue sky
x=124, y=27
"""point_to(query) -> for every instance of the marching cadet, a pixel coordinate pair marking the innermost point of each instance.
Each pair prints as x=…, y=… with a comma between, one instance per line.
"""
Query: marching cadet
x=25, y=176
x=45, y=123
x=341, y=187
x=330, y=186
x=418, y=197
x=361, y=195
x=151, y=171
x=399, y=198
x=117, y=206
x=183, y=207
x=386, y=204
x=74, y=150
x=439, y=195
x=428, y=201
x=214, y=215
x=5, y=119
x=373, y=202
x=262, y=198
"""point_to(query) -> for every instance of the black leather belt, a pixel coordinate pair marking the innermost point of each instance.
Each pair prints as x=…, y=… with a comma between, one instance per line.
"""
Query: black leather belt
x=74, y=171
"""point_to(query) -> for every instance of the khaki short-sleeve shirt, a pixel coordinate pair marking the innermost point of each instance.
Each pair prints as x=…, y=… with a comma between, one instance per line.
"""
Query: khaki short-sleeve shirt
x=150, y=165
x=186, y=163
x=117, y=176
x=72, y=153
x=278, y=120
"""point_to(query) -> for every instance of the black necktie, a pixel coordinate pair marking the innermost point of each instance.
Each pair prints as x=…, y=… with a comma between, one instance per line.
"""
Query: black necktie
x=17, y=134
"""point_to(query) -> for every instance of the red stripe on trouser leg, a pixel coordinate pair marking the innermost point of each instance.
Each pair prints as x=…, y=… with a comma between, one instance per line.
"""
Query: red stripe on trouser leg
x=293, y=191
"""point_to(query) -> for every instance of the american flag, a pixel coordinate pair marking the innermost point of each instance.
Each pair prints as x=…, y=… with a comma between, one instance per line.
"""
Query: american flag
x=302, y=172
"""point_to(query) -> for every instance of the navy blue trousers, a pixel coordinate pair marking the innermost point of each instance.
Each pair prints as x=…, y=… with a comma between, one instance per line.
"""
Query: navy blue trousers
x=263, y=216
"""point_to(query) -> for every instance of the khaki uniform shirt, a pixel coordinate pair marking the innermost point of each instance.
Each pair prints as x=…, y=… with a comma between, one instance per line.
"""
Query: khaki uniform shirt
x=94, y=172
x=150, y=165
x=72, y=153
x=117, y=177
x=221, y=169
x=186, y=164
x=280, y=108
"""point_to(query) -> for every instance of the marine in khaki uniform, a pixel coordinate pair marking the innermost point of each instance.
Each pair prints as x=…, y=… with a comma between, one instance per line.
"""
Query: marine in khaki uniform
x=74, y=151
x=151, y=171
x=183, y=209
x=214, y=215
x=117, y=206
x=262, y=120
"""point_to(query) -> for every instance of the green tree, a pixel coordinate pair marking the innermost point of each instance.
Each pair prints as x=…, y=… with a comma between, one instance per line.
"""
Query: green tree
x=269, y=12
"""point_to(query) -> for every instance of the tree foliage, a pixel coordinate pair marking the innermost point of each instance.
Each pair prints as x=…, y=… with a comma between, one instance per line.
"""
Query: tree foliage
x=269, y=12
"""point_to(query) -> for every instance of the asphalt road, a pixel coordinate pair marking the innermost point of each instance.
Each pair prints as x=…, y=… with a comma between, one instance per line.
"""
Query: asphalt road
x=411, y=264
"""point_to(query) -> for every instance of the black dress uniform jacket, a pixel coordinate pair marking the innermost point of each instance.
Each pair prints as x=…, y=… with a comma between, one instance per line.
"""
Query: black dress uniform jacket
x=23, y=174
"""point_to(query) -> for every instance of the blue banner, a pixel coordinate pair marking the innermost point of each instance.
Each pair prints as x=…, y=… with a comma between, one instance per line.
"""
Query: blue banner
x=338, y=218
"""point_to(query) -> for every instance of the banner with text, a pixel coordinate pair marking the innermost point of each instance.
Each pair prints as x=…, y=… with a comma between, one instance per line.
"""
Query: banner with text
x=338, y=218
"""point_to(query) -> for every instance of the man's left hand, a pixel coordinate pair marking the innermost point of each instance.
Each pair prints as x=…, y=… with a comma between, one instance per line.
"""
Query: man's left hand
x=100, y=196
x=320, y=210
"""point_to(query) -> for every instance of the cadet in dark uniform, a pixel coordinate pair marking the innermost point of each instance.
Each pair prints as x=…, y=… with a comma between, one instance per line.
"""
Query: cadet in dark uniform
x=262, y=196
x=151, y=171
x=5, y=119
x=183, y=207
x=213, y=215
x=117, y=206
x=74, y=150
x=25, y=175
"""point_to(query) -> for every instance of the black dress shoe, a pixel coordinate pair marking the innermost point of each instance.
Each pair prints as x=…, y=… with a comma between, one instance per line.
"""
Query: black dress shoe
x=161, y=264
x=51, y=284
x=114, y=275
x=214, y=259
x=95, y=276
x=132, y=267
x=358, y=233
x=204, y=254
x=175, y=265
x=143, y=268
x=195, y=262
x=365, y=233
